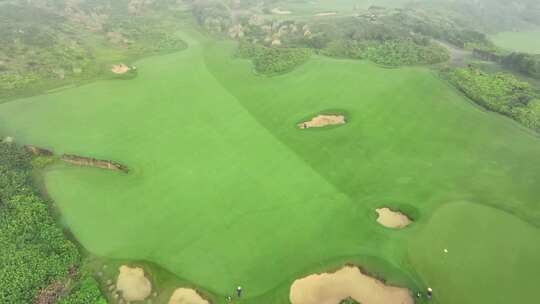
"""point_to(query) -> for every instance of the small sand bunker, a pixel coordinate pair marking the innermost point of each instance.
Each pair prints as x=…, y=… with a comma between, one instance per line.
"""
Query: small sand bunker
x=186, y=296
x=326, y=14
x=392, y=219
x=132, y=283
x=331, y=288
x=120, y=68
x=323, y=121
x=278, y=11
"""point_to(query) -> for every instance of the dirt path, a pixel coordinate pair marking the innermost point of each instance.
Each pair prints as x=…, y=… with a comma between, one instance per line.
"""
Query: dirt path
x=331, y=288
x=458, y=57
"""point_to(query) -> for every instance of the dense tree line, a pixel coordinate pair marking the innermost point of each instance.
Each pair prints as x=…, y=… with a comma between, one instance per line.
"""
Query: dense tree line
x=273, y=60
x=384, y=41
x=214, y=16
x=527, y=64
x=500, y=92
x=38, y=264
x=395, y=52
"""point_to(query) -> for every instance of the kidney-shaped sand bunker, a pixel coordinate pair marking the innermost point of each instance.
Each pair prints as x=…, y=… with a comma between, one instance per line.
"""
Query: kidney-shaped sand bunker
x=349, y=281
x=392, y=219
x=132, y=283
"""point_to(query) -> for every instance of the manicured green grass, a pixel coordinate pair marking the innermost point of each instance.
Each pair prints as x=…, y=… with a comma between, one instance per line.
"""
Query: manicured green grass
x=492, y=256
x=224, y=190
x=527, y=41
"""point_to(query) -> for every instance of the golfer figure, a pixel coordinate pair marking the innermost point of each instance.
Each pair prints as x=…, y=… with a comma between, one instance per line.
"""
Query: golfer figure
x=239, y=291
x=429, y=293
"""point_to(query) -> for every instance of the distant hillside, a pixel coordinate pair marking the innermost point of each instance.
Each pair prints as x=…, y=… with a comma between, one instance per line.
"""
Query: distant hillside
x=488, y=15
x=49, y=43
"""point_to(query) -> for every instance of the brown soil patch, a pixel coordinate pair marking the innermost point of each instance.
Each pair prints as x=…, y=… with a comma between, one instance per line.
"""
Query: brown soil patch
x=392, y=219
x=50, y=294
x=331, y=288
x=120, y=68
x=92, y=162
x=186, y=296
x=132, y=283
x=323, y=121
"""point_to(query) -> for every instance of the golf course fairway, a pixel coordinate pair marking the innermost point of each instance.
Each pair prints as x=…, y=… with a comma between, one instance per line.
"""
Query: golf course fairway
x=524, y=41
x=224, y=189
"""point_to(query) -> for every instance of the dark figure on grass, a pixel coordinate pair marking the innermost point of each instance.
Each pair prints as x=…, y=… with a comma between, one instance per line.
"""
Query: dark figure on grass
x=239, y=291
x=429, y=293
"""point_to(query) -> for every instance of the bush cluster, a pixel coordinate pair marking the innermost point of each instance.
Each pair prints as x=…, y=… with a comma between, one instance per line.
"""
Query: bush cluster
x=34, y=251
x=500, y=92
x=273, y=60
x=396, y=52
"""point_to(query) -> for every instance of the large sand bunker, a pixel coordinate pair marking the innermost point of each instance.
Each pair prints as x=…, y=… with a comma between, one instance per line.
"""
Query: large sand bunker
x=132, y=283
x=323, y=121
x=331, y=288
x=186, y=296
x=120, y=68
x=392, y=219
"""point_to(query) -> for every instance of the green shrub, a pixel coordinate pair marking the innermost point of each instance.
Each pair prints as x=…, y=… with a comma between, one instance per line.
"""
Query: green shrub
x=395, y=52
x=501, y=92
x=273, y=60
x=85, y=291
x=348, y=300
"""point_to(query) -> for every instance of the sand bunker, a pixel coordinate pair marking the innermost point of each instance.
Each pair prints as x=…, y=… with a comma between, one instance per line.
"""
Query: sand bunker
x=186, y=296
x=278, y=11
x=323, y=121
x=326, y=14
x=392, y=219
x=120, y=68
x=331, y=288
x=132, y=283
